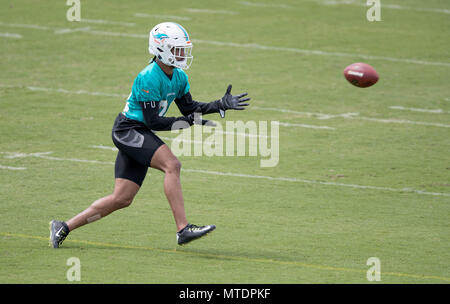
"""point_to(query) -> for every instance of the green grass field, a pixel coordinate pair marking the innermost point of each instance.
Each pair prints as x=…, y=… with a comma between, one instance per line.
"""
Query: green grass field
x=371, y=184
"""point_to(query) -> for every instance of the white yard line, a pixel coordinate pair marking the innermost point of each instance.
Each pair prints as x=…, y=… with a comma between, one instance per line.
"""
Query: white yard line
x=143, y=15
x=64, y=91
x=435, y=111
x=355, y=116
x=210, y=11
x=284, y=124
x=11, y=35
x=78, y=92
x=250, y=46
x=320, y=53
x=265, y=5
x=288, y=124
x=45, y=155
x=29, y=26
x=402, y=121
x=383, y=6
x=101, y=21
x=297, y=180
x=117, y=34
x=104, y=147
x=308, y=114
x=12, y=168
x=72, y=30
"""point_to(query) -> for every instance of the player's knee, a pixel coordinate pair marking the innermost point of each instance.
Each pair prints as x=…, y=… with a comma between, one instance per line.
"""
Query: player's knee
x=173, y=166
x=122, y=201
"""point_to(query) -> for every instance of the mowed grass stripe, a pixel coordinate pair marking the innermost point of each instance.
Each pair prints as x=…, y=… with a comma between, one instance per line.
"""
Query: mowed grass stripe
x=231, y=257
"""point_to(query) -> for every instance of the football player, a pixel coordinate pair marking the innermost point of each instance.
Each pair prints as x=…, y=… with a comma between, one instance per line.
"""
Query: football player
x=155, y=88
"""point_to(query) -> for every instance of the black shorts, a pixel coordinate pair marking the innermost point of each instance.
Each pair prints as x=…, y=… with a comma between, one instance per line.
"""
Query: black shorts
x=136, y=144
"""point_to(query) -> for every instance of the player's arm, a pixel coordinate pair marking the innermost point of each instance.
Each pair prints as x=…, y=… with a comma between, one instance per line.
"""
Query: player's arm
x=187, y=105
x=150, y=110
x=227, y=102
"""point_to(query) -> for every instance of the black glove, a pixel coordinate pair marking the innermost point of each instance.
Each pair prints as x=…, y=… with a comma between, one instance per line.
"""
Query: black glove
x=230, y=102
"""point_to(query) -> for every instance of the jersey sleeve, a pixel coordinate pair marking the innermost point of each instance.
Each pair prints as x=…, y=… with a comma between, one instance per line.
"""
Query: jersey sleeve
x=146, y=89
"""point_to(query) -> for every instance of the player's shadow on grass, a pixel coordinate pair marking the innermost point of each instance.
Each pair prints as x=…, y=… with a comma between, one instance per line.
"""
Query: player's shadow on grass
x=263, y=256
x=237, y=255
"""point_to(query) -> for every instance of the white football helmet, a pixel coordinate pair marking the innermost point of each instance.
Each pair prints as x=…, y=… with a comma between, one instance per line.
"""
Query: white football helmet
x=170, y=43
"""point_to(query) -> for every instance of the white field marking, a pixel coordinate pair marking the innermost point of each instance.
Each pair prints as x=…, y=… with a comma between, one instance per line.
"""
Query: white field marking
x=391, y=6
x=44, y=155
x=437, y=111
x=308, y=114
x=259, y=4
x=100, y=21
x=209, y=11
x=402, y=121
x=64, y=30
x=79, y=92
x=356, y=116
x=12, y=155
x=284, y=124
x=12, y=168
x=30, y=26
x=104, y=147
x=143, y=15
x=321, y=53
x=11, y=35
x=297, y=180
x=117, y=34
x=288, y=124
x=255, y=46
x=64, y=91
x=72, y=30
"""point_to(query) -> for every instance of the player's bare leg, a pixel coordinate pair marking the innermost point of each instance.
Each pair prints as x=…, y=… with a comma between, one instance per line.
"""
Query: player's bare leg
x=164, y=160
x=122, y=196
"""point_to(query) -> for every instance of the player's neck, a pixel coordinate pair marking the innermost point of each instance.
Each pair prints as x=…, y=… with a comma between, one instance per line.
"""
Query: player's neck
x=166, y=68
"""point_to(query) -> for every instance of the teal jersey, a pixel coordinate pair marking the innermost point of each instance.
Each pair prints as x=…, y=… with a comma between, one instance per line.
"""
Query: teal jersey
x=152, y=84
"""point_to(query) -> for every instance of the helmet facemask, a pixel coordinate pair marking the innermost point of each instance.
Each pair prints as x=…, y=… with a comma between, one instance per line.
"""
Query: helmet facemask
x=181, y=56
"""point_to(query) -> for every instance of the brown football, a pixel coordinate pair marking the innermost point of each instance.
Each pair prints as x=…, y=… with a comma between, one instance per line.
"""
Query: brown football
x=361, y=75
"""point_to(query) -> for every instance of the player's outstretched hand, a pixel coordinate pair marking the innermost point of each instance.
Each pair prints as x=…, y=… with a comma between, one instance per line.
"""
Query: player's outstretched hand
x=230, y=102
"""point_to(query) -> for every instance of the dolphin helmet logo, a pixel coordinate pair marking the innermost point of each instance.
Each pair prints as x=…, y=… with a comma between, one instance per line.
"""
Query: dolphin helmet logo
x=161, y=36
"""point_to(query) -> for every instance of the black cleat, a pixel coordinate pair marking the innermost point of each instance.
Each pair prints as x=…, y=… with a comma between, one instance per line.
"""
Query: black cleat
x=192, y=232
x=58, y=232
